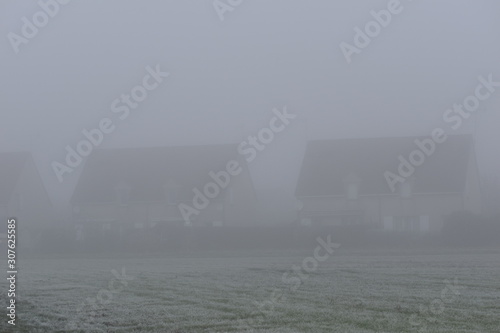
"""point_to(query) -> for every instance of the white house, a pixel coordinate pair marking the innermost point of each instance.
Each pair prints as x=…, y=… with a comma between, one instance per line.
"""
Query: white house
x=342, y=182
x=145, y=187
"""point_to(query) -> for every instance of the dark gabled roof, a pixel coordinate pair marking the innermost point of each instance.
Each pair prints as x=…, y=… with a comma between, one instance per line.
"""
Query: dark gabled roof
x=147, y=170
x=327, y=163
x=11, y=166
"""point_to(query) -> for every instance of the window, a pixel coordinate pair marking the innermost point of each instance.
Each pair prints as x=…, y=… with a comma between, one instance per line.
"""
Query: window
x=307, y=222
x=406, y=188
x=352, y=183
x=407, y=223
x=388, y=222
x=424, y=223
x=352, y=191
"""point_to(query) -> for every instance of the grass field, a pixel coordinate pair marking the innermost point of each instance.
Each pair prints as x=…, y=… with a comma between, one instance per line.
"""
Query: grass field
x=236, y=292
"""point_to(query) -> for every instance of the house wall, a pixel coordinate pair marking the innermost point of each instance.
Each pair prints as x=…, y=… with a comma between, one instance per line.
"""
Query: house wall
x=242, y=209
x=435, y=207
x=472, y=194
x=161, y=212
x=146, y=214
x=237, y=206
x=113, y=213
x=375, y=209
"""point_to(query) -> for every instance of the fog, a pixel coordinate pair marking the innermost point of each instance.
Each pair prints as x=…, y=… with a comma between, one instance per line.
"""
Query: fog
x=242, y=132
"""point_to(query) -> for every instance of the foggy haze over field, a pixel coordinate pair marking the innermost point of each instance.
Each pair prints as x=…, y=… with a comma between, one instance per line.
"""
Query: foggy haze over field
x=272, y=166
x=227, y=76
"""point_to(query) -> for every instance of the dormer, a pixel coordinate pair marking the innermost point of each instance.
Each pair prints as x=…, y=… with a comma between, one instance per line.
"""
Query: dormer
x=406, y=188
x=352, y=184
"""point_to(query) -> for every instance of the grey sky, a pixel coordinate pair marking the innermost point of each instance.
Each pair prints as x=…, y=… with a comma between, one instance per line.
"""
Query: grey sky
x=226, y=77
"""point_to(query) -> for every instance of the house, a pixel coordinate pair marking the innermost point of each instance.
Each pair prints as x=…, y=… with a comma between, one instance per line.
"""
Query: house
x=23, y=196
x=344, y=182
x=164, y=186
